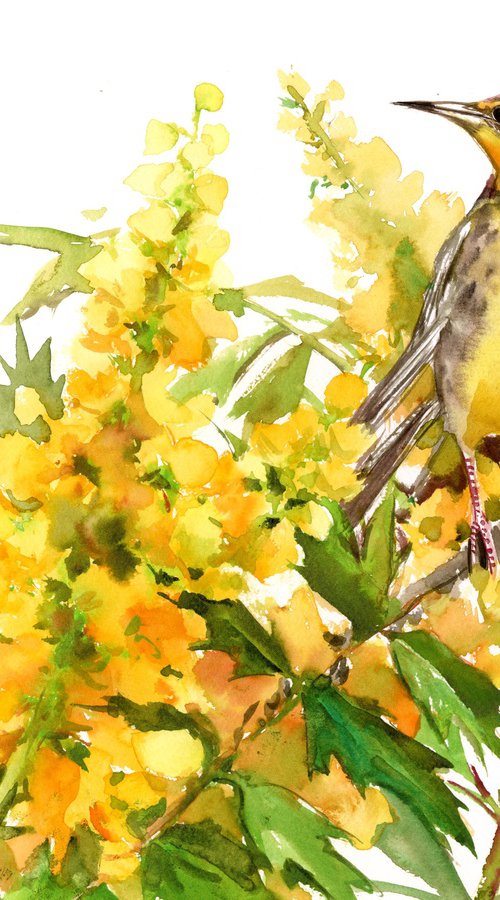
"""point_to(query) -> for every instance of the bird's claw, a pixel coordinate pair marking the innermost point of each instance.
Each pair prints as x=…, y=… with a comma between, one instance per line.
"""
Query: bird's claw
x=482, y=549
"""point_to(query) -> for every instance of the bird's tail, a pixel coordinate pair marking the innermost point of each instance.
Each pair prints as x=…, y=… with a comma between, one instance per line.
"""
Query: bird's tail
x=387, y=394
x=381, y=461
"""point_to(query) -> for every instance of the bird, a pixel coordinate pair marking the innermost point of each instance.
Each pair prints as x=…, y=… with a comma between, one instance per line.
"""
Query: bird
x=457, y=333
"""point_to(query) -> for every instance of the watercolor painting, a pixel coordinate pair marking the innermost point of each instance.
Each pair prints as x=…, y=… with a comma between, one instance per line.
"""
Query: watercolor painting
x=249, y=562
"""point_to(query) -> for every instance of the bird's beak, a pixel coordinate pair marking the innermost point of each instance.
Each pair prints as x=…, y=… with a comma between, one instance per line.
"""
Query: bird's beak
x=465, y=114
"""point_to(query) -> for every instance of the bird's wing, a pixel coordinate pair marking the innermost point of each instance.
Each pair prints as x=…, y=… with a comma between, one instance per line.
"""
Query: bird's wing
x=387, y=394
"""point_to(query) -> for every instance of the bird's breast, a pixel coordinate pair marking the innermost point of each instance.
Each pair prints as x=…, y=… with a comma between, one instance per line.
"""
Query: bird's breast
x=467, y=356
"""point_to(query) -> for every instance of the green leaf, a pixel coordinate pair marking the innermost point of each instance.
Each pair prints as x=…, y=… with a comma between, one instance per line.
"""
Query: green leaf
x=356, y=586
x=408, y=843
x=371, y=752
x=163, y=717
x=379, y=555
x=31, y=373
x=232, y=629
x=139, y=820
x=80, y=866
x=60, y=277
x=452, y=696
x=292, y=287
x=277, y=392
x=230, y=300
x=199, y=861
x=294, y=838
x=224, y=369
x=78, y=871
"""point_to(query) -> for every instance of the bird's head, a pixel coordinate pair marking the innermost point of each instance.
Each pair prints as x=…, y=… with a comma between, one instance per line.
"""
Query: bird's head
x=480, y=119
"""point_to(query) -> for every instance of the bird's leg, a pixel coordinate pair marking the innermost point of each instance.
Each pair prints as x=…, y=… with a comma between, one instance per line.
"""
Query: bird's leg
x=481, y=545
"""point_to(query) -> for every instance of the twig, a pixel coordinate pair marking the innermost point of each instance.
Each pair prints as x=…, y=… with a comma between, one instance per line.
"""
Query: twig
x=304, y=336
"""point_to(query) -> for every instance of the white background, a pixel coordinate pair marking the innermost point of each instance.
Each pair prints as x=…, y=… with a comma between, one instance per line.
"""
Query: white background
x=80, y=80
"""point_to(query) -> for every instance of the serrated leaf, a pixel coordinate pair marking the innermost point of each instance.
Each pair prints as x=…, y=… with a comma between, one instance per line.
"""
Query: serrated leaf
x=60, y=277
x=199, y=861
x=30, y=373
x=292, y=287
x=453, y=697
x=356, y=585
x=232, y=629
x=294, y=838
x=278, y=391
x=407, y=842
x=218, y=376
x=371, y=752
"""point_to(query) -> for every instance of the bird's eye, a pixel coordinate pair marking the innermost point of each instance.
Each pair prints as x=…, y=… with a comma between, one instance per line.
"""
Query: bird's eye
x=496, y=113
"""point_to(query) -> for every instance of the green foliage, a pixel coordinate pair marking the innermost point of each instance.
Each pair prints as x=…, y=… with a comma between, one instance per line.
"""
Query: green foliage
x=60, y=277
x=232, y=629
x=230, y=300
x=199, y=861
x=163, y=717
x=371, y=752
x=453, y=697
x=222, y=371
x=354, y=582
x=79, y=870
x=290, y=836
x=30, y=373
x=410, y=282
x=277, y=392
x=139, y=820
x=412, y=847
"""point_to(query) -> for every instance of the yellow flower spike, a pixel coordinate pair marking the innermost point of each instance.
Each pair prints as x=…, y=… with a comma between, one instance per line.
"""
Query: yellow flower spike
x=155, y=223
x=160, y=136
x=171, y=754
x=295, y=80
x=208, y=96
x=148, y=178
x=212, y=191
x=196, y=539
x=345, y=392
x=198, y=154
x=193, y=462
x=216, y=136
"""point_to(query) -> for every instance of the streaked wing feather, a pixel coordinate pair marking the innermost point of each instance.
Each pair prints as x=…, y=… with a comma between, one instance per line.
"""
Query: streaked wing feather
x=387, y=394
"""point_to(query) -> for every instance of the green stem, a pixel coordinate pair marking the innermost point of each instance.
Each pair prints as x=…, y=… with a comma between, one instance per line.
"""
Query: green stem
x=490, y=880
x=318, y=132
x=488, y=805
x=43, y=720
x=306, y=338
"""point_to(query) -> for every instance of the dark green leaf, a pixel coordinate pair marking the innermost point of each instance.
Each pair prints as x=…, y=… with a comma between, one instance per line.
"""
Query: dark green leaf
x=60, y=277
x=80, y=866
x=78, y=871
x=31, y=373
x=294, y=839
x=409, y=844
x=232, y=629
x=224, y=369
x=371, y=752
x=163, y=717
x=353, y=585
x=139, y=820
x=452, y=696
x=198, y=861
x=277, y=392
